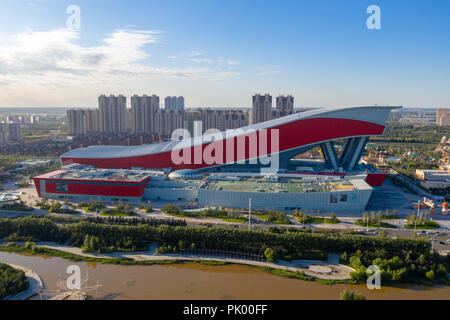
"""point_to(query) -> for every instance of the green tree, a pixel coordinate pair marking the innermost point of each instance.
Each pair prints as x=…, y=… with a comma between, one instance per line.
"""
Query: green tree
x=430, y=275
x=269, y=254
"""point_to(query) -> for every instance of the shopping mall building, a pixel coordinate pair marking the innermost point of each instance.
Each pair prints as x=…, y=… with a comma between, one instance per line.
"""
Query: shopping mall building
x=262, y=154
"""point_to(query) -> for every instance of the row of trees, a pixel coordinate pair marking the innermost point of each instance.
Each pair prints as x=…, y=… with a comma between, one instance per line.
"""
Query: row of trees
x=399, y=268
x=92, y=205
x=219, y=213
x=208, y=238
x=414, y=221
x=135, y=221
x=15, y=206
x=12, y=281
x=274, y=216
x=302, y=217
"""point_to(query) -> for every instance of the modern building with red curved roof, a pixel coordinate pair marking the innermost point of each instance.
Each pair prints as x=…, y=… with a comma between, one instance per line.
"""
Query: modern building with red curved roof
x=268, y=145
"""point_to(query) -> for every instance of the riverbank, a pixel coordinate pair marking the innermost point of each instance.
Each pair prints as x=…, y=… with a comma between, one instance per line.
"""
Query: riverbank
x=201, y=281
x=35, y=281
x=330, y=271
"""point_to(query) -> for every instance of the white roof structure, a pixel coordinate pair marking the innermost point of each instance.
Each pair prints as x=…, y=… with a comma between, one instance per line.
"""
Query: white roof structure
x=373, y=114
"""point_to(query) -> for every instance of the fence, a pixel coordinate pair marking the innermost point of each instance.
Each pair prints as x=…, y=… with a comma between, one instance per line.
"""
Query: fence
x=224, y=253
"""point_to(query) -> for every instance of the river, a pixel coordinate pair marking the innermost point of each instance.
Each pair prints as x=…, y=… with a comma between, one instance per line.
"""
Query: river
x=197, y=281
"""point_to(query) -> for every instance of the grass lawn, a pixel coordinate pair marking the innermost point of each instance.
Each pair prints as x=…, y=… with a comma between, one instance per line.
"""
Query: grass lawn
x=265, y=217
x=240, y=219
x=372, y=225
x=390, y=217
x=312, y=219
x=430, y=225
x=117, y=213
x=67, y=212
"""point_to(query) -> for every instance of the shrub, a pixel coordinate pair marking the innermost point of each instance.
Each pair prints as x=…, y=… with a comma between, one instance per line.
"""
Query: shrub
x=269, y=254
x=430, y=275
x=12, y=281
x=350, y=295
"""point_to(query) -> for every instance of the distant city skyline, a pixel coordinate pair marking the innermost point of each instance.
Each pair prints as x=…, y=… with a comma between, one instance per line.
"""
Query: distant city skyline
x=220, y=53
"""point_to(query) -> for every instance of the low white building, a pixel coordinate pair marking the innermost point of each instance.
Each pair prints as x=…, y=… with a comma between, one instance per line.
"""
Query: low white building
x=433, y=178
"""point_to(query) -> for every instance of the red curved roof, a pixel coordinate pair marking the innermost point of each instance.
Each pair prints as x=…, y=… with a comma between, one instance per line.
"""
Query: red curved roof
x=293, y=131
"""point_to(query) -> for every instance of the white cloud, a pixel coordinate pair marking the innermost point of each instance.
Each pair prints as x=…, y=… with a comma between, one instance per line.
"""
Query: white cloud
x=55, y=53
x=268, y=70
x=195, y=53
x=34, y=3
x=232, y=62
x=53, y=60
x=52, y=68
x=220, y=76
x=218, y=61
x=265, y=73
x=202, y=60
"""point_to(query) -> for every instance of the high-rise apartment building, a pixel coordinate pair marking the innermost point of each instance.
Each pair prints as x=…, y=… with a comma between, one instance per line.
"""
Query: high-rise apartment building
x=129, y=116
x=91, y=118
x=224, y=119
x=112, y=113
x=443, y=117
x=285, y=105
x=261, y=108
x=10, y=132
x=167, y=121
x=83, y=121
x=174, y=103
x=75, y=122
x=14, y=132
x=15, y=119
x=192, y=118
x=143, y=113
x=3, y=132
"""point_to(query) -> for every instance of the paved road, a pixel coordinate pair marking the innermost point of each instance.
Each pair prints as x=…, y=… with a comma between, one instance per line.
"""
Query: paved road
x=389, y=196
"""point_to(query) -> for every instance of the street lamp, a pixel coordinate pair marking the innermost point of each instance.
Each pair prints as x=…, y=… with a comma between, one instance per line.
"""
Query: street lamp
x=249, y=211
x=417, y=217
x=432, y=242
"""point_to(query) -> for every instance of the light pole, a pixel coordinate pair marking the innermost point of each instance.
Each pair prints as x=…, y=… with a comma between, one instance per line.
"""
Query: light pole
x=417, y=217
x=249, y=212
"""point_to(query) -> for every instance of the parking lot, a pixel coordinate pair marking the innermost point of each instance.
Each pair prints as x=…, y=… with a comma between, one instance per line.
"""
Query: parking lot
x=391, y=197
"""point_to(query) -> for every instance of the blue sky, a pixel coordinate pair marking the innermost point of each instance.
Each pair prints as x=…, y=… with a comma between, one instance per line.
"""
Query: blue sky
x=220, y=52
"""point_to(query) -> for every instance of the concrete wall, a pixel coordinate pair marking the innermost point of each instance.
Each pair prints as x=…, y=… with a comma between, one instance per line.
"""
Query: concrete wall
x=356, y=200
x=82, y=197
x=170, y=194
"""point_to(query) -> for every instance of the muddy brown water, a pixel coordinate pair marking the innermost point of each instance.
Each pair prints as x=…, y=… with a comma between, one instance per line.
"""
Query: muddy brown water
x=197, y=281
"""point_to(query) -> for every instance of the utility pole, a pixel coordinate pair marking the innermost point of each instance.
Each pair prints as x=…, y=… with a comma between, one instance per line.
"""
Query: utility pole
x=417, y=217
x=249, y=212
